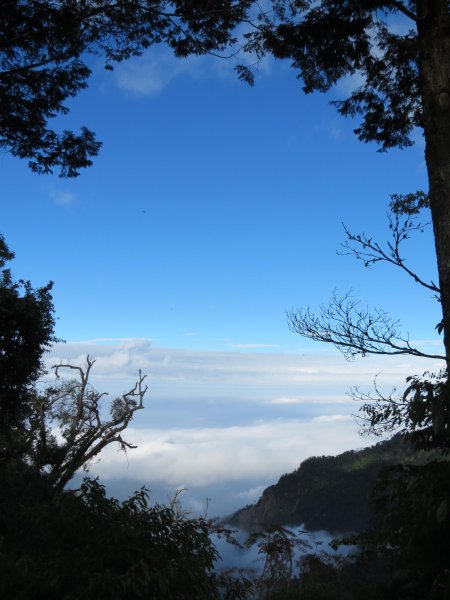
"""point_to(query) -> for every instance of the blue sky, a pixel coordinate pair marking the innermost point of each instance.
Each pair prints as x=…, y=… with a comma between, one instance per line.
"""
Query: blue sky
x=212, y=209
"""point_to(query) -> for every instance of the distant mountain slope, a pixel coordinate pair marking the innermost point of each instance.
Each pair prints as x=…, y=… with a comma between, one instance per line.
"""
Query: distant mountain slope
x=325, y=492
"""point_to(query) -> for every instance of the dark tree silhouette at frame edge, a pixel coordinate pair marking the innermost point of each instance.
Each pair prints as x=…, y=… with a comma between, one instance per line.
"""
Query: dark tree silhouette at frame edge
x=78, y=544
x=421, y=411
x=411, y=519
x=82, y=545
x=26, y=333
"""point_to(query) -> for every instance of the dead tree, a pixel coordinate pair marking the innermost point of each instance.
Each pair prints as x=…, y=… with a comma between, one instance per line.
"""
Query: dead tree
x=70, y=423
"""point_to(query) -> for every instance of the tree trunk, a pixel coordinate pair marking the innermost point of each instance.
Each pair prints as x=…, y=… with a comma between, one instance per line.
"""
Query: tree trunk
x=434, y=65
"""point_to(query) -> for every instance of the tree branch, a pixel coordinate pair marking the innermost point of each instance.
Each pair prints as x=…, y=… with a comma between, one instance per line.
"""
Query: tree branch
x=405, y=10
x=370, y=252
x=75, y=409
x=353, y=330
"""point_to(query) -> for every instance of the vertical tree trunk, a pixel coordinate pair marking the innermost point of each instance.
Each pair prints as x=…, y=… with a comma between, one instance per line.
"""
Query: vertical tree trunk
x=434, y=65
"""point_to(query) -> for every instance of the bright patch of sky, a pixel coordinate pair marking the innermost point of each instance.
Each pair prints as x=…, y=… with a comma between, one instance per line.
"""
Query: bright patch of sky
x=212, y=209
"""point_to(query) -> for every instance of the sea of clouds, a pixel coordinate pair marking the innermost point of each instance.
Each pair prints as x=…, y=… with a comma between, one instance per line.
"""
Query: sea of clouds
x=225, y=425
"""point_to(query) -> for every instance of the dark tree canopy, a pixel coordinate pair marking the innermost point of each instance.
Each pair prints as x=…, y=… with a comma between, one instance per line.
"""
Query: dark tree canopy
x=43, y=51
x=44, y=46
x=83, y=545
x=328, y=40
x=26, y=332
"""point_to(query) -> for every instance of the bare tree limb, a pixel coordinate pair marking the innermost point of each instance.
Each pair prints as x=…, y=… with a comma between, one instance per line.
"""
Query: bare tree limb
x=75, y=409
x=370, y=252
x=404, y=9
x=354, y=330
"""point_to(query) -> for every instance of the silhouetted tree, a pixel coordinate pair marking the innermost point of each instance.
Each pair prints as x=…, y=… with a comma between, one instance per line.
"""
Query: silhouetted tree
x=78, y=544
x=403, y=74
x=82, y=545
x=26, y=333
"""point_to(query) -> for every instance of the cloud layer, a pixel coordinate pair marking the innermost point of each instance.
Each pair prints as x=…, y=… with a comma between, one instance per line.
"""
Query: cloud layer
x=240, y=419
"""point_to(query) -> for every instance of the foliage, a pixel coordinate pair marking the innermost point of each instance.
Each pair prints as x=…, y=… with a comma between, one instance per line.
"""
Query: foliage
x=279, y=553
x=412, y=527
x=43, y=52
x=403, y=77
x=26, y=332
x=278, y=547
x=421, y=413
x=406, y=541
x=75, y=545
x=329, y=40
x=404, y=85
x=45, y=45
x=82, y=545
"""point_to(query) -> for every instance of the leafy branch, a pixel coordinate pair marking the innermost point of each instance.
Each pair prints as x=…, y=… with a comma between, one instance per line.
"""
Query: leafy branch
x=421, y=413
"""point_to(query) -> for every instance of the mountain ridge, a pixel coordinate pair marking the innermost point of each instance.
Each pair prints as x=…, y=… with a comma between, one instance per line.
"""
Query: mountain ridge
x=326, y=492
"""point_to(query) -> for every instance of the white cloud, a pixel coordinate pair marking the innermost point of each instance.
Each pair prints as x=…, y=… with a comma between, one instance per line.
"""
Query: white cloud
x=335, y=132
x=287, y=400
x=263, y=376
x=206, y=456
x=236, y=419
x=253, y=346
x=349, y=84
x=110, y=340
x=250, y=495
x=332, y=418
x=149, y=74
x=61, y=198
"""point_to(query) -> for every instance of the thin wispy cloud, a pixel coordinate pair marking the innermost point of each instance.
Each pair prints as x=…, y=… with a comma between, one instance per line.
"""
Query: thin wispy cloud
x=253, y=346
x=149, y=74
x=207, y=373
x=111, y=340
x=61, y=198
x=335, y=132
x=293, y=400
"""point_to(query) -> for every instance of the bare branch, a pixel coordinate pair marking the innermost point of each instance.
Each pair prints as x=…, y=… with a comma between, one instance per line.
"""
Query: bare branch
x=75, y=408
x=354, y=330
x=370, y=252
x=382, y=413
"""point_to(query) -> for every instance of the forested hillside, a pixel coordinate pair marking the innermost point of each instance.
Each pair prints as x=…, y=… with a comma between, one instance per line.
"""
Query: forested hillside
x=326, y=492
